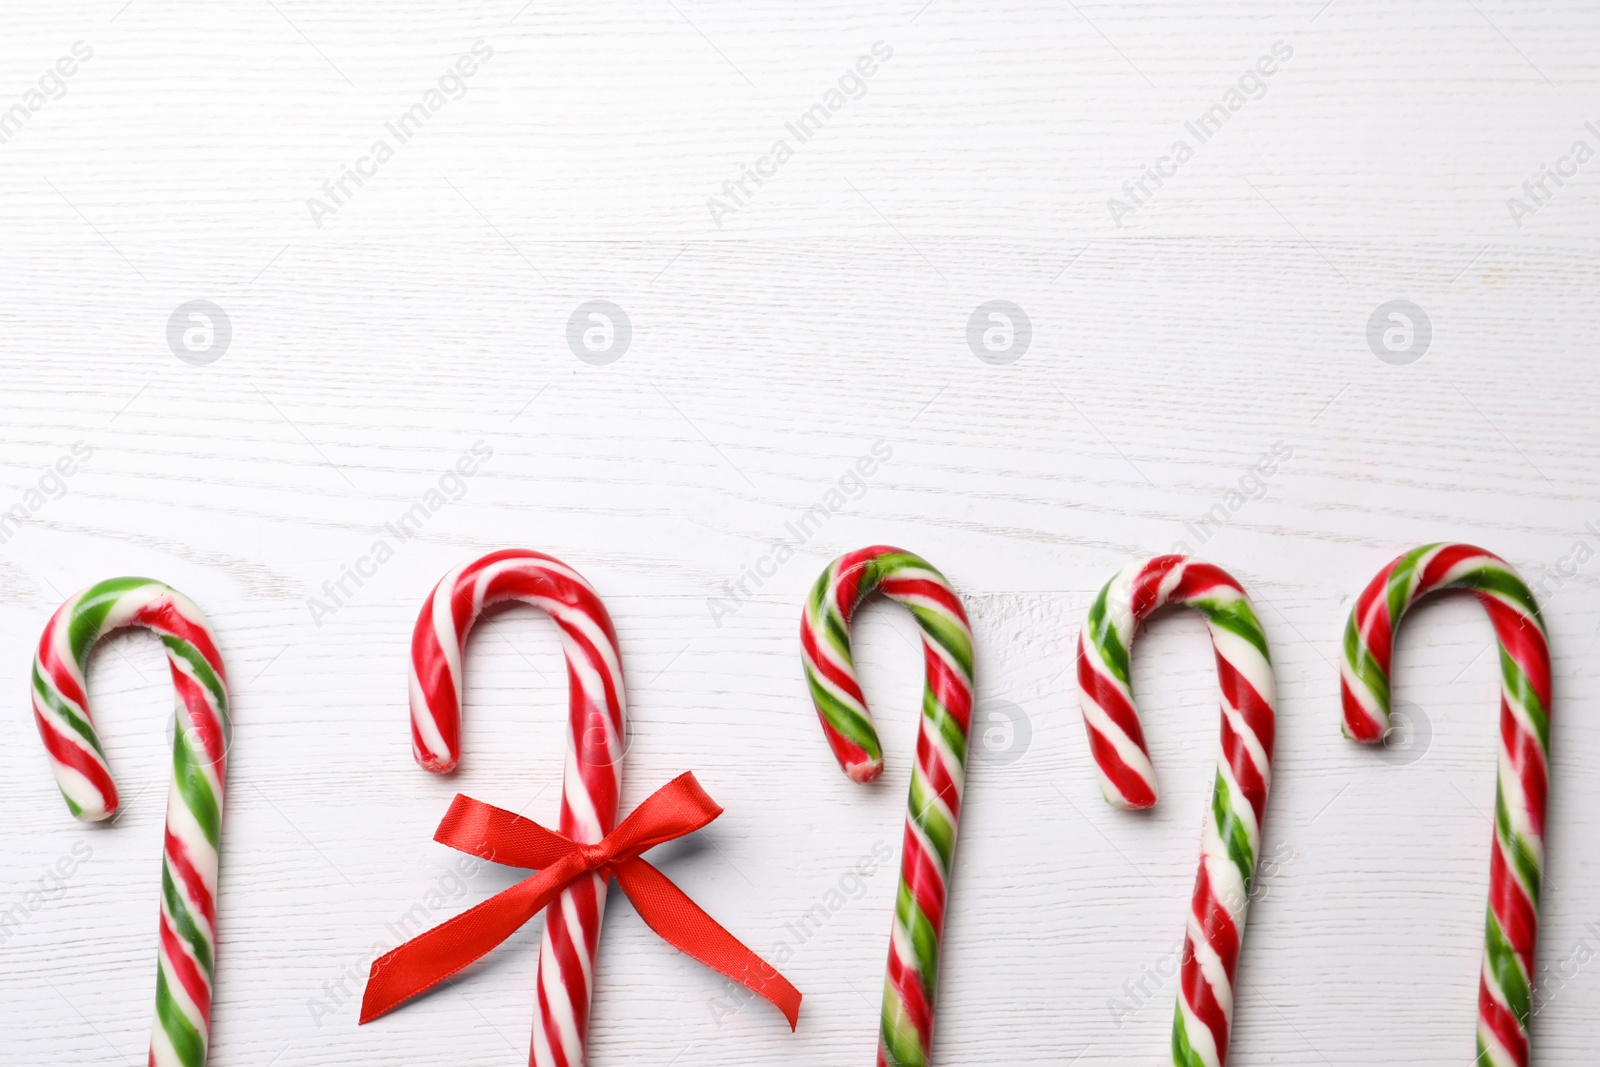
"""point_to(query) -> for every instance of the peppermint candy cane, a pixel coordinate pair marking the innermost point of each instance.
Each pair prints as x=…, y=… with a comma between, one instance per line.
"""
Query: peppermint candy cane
x=186, y=958
x=906, y=1032
x=1231, y=842
x=593, y=777
x=1516, y=868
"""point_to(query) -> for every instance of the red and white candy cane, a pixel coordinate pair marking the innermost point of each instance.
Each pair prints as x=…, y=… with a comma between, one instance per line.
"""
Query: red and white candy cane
x=1516, y=867
x=905, y=1027
x=186, y=958
x=1231, y=842
x=593, y=777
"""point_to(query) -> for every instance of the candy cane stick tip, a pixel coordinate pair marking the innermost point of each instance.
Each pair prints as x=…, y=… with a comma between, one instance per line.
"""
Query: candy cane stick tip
x=865, y=772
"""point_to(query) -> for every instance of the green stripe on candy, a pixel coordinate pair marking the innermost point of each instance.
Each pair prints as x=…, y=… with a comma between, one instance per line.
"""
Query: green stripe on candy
x=186, y=1040
x=1520, y=690
x=202, y=671
x=925, y=812
x=937, y=625
x=1364, y=665
x=1501, y=583
x=183, y=922
x=94, y=607
x=1523, y=861
x=1105, y=637
x=49, y=697
x=1403, y=580
x=898, y=1035
x=1507, y=970
x=194, y=785
x=1236, y=617
x=1235, y=837
x=843, y=718
x=1183, y=1054
x=949, y=729
x=922, y=934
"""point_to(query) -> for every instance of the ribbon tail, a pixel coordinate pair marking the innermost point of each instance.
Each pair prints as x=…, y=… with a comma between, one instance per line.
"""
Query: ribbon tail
x=681, y=923
x=431, y=957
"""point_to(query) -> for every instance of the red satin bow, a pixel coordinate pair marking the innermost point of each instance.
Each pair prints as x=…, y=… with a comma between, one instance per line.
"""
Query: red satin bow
x=678, y=808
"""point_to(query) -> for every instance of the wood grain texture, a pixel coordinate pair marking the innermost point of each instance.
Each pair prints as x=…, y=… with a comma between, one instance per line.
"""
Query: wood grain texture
x=829, y=312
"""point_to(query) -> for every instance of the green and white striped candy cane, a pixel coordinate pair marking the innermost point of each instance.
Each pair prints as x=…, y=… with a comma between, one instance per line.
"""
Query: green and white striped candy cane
x=186, y=958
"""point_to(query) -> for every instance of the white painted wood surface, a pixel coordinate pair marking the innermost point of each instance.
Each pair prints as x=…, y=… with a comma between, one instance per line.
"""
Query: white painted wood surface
x=1227, y=314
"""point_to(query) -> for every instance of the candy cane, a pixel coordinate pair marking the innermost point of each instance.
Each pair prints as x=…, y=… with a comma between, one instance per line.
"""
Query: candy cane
x=906, y=1031
x=186, y=959
x=593, y=777
x=1516, y=868
x=1231, y=842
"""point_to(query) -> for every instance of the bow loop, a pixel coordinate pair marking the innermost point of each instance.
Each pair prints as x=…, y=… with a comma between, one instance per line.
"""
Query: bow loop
x=675, y=810
x=492, y=833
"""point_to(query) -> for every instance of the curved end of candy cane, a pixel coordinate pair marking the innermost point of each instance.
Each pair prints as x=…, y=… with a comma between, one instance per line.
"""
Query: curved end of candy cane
x=1365, y=722
x=1368, y=645
x=1121, y=764
x=862, y=762
x=1116, y=739
x=1137, y=791
x=430, y=746
x=825, y=649
x=60, y=693
x=89, y=799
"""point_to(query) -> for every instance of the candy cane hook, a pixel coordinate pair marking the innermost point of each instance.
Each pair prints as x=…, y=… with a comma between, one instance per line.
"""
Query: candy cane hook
x=1231, y=843
x=1516, y=868
x=593, y=776
x=906, y=1030
x=186, y=959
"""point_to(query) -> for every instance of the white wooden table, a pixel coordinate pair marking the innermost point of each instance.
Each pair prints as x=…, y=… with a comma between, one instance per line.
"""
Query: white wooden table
x=776, y=334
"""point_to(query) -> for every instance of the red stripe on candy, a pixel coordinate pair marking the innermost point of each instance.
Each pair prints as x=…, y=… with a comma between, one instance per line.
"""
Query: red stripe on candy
x=183, y=968
x=67, y=753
